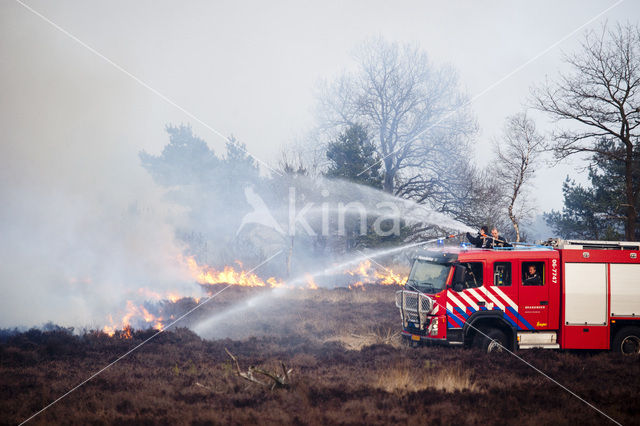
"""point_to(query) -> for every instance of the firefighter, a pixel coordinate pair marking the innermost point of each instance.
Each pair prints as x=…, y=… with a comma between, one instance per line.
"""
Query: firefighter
x=531, y=277
x=482, y=239
x=497, y=240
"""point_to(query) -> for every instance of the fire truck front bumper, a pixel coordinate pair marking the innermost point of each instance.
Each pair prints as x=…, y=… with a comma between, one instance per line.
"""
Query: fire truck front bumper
x=418, y=339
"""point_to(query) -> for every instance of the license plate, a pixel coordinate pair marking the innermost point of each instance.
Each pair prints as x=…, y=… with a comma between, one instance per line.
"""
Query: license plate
x=415, y=338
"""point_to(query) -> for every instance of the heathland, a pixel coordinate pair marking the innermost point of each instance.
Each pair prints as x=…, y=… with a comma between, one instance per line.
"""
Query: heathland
x=348, y=366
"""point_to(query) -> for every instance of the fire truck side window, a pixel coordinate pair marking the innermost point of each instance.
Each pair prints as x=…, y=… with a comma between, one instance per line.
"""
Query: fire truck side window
x=532, y=273
x=473, y=275
x=502, y=273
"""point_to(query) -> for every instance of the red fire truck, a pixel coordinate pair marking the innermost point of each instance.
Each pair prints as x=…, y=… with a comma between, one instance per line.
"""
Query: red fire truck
x=566, y=295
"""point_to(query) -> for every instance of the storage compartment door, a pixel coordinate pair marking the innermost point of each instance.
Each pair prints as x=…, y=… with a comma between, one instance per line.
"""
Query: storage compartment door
x=585, y=288
x=625, y=290
x=585, y=306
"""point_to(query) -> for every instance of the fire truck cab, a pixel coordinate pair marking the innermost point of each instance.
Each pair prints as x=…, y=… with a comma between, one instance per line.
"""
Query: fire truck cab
x=565, y=295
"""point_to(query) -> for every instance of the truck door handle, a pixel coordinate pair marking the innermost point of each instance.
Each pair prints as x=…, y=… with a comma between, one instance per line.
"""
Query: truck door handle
x=481, y=303
x=544, y=302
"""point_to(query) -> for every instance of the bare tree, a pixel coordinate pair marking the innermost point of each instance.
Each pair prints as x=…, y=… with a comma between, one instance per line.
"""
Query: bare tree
x=517, y=154
x=600, y=101
x=413, y=109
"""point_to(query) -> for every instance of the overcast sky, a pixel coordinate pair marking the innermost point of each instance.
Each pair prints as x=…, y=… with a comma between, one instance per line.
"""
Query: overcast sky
x=73, y=122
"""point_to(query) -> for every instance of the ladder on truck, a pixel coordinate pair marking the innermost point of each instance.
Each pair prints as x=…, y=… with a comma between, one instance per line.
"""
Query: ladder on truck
x=594, y=245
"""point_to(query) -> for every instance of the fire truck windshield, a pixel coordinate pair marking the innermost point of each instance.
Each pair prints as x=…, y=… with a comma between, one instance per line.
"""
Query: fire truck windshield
x=427, y=277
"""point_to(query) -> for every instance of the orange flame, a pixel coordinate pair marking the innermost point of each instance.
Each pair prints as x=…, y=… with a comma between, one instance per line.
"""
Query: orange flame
x=127, y=332
x=274, y=283
x=229, y=275
x=110, y=330
x=132, y=311
x=174, y=297
x=311, y=284
x=364, y=273
x=368, y=274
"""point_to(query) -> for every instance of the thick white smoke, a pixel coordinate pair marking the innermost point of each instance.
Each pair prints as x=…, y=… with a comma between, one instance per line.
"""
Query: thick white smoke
x=75, y=259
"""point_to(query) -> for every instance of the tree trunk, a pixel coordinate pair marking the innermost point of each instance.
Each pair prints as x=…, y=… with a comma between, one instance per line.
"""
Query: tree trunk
x=514, y=221
x=389, y=175
x=630, y=228
x=632, y=214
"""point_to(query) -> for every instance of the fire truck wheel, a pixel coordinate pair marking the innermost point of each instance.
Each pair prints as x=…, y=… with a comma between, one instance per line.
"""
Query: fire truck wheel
x=495, y=340
x=627, y=341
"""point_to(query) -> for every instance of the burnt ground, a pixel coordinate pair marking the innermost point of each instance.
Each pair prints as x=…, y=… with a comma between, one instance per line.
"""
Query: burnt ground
x=348, y=363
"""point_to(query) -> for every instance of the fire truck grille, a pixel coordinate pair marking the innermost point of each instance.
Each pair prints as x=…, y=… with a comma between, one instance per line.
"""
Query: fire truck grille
x=414, y=307
x=411, y=302
x=425, y=304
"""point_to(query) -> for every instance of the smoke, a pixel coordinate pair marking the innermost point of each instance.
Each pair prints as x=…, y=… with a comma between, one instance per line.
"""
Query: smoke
x=85, y=233
x=87, y=224
x=83, y=227
x=74, y=259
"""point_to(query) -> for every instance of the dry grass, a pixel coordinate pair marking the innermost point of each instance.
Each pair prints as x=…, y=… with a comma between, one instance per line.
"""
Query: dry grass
x=323, y=315
x=454, y=379
x=377, y=336
x=407, y=378
x=366, y=294
x=401, y=379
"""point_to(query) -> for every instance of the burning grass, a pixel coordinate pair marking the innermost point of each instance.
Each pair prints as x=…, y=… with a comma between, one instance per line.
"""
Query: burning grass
x=155, y=310
x=179, y=378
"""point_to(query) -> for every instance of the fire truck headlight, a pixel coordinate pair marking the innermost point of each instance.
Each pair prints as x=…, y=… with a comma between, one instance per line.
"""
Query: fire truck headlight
x=433, y=327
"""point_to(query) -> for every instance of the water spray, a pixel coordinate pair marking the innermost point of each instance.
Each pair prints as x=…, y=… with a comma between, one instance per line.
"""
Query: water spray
x=250, y=303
